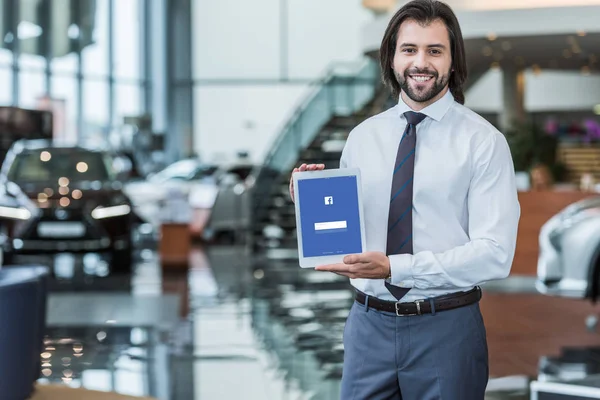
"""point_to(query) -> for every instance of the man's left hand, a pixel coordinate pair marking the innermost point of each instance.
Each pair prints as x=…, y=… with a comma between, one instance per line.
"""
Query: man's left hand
x=369, y=265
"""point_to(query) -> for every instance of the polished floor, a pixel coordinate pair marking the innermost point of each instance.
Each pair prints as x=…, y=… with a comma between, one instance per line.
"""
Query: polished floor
x=235, y=327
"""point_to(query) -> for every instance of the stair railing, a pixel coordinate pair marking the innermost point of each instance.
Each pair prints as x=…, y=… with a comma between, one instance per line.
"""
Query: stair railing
x=345, y=89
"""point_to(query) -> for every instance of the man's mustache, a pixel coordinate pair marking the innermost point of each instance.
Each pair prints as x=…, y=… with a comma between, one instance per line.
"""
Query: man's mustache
x=420, y=72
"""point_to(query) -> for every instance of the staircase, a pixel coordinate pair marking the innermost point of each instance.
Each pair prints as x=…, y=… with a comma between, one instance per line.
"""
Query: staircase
x=316, y=134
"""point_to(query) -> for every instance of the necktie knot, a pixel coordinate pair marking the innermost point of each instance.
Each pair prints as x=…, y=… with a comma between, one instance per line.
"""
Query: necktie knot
x=414, y=118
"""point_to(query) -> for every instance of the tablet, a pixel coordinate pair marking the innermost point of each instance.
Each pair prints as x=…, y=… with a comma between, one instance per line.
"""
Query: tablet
x=329, y=215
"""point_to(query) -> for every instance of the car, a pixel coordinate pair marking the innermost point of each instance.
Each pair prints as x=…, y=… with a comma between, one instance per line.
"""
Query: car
x=78, y=198
x=230, y=217
x=183, y=177
x=217, y=199
x=569, y=252
x=15, y=208
x=187, y=170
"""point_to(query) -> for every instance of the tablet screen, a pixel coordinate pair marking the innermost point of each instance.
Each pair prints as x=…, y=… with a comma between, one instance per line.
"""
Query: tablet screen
x=329, y=216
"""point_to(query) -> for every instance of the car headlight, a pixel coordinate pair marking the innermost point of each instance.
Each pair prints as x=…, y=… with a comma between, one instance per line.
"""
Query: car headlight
x=110, y=212
x=15, y=213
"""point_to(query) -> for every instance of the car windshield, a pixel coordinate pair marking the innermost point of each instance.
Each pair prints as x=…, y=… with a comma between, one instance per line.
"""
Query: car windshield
x=184, y=170
x=45, y=165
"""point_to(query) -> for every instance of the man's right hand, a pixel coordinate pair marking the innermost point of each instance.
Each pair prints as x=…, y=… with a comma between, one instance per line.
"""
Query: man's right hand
x=303, y=167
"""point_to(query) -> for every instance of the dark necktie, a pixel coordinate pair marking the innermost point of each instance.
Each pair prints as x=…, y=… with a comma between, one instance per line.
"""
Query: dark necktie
x=399, y=239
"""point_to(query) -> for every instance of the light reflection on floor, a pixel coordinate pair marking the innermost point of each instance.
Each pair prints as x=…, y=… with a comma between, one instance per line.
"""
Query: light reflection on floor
x=216, y=341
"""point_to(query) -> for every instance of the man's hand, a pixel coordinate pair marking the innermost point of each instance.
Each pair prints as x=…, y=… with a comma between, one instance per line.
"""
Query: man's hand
x=369, y=265
x=303, y=167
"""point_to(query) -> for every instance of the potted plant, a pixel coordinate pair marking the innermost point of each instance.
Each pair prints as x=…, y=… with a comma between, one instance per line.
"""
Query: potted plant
x=534, y=150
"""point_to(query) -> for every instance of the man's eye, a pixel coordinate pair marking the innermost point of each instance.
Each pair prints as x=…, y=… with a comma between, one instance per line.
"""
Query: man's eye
x=409, y=50
x=435, y=52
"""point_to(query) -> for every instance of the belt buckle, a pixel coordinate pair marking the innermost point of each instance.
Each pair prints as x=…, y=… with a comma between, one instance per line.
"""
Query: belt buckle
x=417, y=303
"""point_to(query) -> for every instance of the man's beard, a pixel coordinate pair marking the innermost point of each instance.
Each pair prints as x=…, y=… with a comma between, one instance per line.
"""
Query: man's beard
x=438, y=84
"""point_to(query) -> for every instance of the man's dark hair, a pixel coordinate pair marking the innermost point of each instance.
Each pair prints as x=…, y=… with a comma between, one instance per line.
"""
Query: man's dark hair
x=425, y=12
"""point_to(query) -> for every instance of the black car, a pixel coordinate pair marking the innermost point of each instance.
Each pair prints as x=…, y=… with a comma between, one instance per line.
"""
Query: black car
x=80, y=204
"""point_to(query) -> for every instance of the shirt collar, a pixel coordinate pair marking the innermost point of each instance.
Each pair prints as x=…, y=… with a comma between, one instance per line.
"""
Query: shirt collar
x=436, y=110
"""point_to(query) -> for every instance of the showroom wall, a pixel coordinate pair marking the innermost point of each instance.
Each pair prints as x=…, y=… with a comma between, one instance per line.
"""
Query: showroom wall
x=240, y=103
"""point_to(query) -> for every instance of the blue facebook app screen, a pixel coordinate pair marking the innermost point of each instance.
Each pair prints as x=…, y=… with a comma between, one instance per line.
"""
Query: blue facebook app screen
x=329, y=216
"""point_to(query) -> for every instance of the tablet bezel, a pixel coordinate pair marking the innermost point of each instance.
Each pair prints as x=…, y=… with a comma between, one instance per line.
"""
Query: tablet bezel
x=312, y=262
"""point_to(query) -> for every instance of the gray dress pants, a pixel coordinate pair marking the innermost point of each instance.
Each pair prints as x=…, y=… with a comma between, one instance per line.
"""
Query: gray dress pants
x=422, y=357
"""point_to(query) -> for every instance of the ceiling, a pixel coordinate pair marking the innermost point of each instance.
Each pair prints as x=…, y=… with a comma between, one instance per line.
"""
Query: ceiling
x=556, y=52
x=559, y=52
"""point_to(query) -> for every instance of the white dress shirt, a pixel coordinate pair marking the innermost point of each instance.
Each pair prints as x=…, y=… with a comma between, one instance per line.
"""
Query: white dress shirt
x=465, y=205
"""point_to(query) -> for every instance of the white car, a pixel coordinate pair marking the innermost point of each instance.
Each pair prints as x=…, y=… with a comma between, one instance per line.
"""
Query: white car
x=569, y=257
x=230, y=216
x=179, y=180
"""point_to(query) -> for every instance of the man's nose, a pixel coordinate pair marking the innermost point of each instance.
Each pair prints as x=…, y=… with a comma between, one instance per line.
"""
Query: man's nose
x=420, y=61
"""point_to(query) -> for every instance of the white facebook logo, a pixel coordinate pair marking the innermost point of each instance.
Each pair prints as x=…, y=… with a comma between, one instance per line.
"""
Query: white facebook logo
x=328, y=200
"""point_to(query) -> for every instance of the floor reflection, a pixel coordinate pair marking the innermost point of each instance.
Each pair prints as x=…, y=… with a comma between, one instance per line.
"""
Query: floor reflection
x=116, y=359
x=269, y=326
x=300, y=315
x=80, y=272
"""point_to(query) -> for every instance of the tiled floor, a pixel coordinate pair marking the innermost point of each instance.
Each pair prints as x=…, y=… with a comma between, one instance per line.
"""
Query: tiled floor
x=135, y=337
x=522, y=328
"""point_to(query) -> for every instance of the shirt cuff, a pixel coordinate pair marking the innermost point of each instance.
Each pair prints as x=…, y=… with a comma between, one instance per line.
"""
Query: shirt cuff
x=400, y=266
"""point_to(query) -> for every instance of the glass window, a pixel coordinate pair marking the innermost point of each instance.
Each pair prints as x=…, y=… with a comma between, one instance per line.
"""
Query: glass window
x=30, y=31
x=6, y=57
x=67, y=29
x=28, y=61
x=127, y=101
x=127, y=51
x=5, y=86
x=95, y=111
x=65, y=108
x=95, y=55
x=32, y=88
x=5, y=37
x=65, y=64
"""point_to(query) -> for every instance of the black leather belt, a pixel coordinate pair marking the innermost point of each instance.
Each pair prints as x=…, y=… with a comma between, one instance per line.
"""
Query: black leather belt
x=419, y=307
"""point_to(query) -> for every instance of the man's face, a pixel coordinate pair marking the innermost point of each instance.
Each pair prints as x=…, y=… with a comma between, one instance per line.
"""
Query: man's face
x=423, y=60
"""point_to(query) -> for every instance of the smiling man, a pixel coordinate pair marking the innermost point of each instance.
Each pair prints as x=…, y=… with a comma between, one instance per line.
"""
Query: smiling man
x=441, y=215
x=423, y=77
